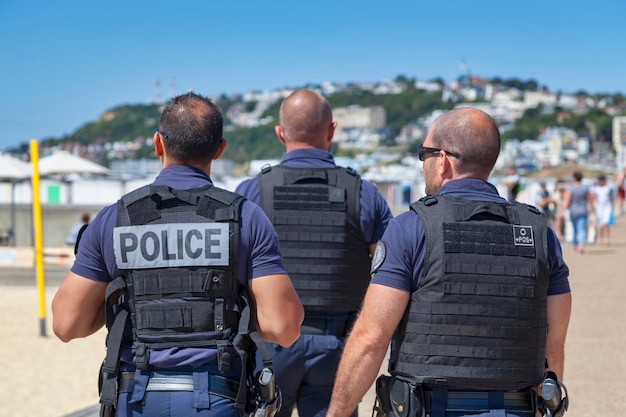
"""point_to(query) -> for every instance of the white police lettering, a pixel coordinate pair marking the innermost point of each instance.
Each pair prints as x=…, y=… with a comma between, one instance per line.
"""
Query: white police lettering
x=523, y=236
x=171, y=245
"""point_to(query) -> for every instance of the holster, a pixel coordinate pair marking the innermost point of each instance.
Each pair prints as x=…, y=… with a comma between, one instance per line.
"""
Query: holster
x=398, y=398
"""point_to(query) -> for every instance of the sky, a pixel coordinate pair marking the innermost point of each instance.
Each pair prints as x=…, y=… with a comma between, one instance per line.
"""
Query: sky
x=64, y=63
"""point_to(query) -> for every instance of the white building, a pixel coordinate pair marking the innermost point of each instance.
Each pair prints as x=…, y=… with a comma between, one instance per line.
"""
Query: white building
x=373, y=117
x=535, y=98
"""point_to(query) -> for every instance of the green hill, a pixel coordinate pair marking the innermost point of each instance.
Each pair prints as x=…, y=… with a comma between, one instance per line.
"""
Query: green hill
x=130, y=127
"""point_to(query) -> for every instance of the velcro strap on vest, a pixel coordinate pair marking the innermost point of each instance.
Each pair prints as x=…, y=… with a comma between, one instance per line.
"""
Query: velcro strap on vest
x=524, y=291
x=159, y=282
x=506, y=212
x=296, y=176
x=486, y=269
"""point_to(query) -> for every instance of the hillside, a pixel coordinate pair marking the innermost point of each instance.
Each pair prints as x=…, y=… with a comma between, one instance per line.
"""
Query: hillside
x=125, y=131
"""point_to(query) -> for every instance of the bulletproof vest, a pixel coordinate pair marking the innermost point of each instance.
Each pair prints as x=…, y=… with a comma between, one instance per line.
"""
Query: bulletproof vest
x=478, y=316
x=178, y=254
x=316, y=213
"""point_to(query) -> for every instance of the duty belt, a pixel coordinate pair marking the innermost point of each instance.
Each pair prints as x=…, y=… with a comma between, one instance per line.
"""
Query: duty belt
x=518, y=401
x=180, y=381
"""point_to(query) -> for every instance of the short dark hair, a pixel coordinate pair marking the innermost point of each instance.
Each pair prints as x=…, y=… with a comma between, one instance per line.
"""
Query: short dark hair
x=194, y=126
x=578, y=175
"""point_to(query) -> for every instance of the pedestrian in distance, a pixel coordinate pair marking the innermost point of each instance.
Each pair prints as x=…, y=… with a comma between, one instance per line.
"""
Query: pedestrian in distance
x=578, y=200
x=470, y=289
x=76, y=230
x=185, y=276
x=328, y=220
x=560, y=208
x=603, y=198
x=544, y=202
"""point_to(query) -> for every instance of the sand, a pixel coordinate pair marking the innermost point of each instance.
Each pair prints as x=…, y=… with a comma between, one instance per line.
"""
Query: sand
x=41, y=376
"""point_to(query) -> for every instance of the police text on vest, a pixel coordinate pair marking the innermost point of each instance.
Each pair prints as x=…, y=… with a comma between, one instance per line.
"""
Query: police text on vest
x=171, y=245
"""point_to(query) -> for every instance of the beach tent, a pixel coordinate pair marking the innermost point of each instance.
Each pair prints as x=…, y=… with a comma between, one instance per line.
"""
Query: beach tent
x=13, y=170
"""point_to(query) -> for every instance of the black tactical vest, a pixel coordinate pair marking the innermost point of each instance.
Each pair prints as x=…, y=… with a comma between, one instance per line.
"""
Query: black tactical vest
x=478, y=318
x=316, y=214
x=178, y=252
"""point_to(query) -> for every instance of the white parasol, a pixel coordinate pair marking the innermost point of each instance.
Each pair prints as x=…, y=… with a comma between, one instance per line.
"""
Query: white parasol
x=65, y=163
x=13, y=170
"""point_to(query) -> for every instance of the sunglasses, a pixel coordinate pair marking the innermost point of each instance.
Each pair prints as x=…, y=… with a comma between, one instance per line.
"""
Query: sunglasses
x=162, y=134
x=423, y=150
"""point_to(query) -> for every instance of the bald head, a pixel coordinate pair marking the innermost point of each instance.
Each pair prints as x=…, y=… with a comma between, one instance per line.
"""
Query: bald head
x=306, y=120
x=471, y=133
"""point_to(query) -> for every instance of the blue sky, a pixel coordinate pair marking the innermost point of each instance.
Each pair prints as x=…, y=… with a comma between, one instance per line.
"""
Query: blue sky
x=63, y=63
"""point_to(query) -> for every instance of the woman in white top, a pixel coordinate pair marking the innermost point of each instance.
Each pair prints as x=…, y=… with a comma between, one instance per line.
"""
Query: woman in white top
x=603, y=198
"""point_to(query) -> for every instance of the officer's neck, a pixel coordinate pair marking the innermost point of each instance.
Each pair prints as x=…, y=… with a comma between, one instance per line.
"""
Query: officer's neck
x=204, y=167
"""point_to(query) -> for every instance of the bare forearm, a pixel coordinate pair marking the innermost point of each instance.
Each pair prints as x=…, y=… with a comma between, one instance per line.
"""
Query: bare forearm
x=365, y=349
x=357, y=371
x=556, y=364
x=559, y=310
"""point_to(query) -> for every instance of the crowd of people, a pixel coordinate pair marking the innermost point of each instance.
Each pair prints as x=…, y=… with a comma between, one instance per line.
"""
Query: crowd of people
x=287, y=293
x=590, y=208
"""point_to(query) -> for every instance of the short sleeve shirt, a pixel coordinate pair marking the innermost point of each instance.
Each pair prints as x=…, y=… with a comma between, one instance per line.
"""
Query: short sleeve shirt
x=259, y=250
x=404, y=243
x=375, y=213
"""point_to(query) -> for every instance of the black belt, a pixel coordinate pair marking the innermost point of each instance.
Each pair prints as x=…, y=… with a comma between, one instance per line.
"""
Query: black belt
x=180, y=381
x=474, y=401
x=328, y=325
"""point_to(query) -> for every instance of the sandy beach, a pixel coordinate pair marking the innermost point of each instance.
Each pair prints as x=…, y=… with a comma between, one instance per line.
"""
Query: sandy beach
x=42, y=376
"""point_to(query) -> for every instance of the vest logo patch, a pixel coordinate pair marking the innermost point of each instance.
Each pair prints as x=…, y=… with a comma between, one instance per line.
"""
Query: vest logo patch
x=171, y=245
x=523, y=236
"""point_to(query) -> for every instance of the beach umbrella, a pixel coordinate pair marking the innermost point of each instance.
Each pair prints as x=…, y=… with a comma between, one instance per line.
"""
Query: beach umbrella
x=13, y=170
x=65, y=163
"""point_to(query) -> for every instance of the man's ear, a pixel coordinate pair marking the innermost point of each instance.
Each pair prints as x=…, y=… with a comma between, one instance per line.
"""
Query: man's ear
x=158, y=144
x=445, y=166
x=280, y=134
x=331, y=131
x=220, y=150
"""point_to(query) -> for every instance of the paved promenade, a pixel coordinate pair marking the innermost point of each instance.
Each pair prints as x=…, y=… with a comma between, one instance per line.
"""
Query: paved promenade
x=43, y=377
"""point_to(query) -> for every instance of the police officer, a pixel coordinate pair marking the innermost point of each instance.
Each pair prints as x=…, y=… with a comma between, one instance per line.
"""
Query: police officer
x=471, y=290
x=328, y=221
x=180, y=271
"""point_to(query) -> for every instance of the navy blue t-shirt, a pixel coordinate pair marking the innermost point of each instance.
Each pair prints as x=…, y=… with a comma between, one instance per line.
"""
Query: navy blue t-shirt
x=375, y=213
x=259, y=254
x=405, y=246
